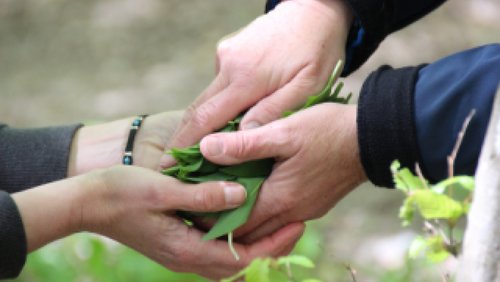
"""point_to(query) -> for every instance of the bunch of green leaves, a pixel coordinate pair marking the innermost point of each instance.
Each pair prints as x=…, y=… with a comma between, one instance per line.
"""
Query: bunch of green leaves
x=192, y=167
x=440, y=205
x=272, y=270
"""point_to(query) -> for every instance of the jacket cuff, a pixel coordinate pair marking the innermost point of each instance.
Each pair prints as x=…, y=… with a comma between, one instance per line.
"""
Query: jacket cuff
x=386, y=122
x=12, y=238
x=31, y=157
x=270, y=4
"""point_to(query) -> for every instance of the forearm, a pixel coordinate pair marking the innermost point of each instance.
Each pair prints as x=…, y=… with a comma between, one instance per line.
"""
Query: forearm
x=50, y=211
x=102, y=145
x=98, y=146
x=339, y=16
x=373, y=21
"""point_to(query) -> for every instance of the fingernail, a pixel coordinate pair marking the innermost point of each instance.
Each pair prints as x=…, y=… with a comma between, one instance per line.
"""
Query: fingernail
x=234, y=193
x=167, y=161
x=251, y=125
x=213, y=146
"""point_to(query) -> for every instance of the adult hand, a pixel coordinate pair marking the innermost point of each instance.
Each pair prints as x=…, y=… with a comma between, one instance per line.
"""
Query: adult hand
x=270, y=66
x=317, y=163
x=136, y=207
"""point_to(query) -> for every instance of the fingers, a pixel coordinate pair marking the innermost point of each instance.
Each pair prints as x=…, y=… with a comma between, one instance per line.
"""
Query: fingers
x=214, y=259
x=268, y=227
x=183, y=137
x=212, y=111
x=206, y=197
x=290, y=97
x=278, y=242
x=272, y=140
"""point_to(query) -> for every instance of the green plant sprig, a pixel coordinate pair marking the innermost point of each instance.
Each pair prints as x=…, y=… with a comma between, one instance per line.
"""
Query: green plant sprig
x=272, y=270
x=192, y=167
x=441, y=206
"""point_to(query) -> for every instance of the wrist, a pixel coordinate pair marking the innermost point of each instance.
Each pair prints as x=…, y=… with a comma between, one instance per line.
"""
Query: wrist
x=90, y=206
x=358, y=172
x=98, y=146
x=337, y=12
x=60, y=215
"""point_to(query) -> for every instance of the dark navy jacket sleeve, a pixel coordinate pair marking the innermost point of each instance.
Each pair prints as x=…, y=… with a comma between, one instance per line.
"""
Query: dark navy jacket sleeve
x=445, y=94
x=414, y=114
x=374, y=20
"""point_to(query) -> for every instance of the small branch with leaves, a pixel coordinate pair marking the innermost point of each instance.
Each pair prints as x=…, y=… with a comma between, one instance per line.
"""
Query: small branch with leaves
x=440, y=205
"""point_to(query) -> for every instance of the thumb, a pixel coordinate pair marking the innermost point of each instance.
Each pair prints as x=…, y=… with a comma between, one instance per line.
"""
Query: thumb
x=208, y=196
x=269, y=141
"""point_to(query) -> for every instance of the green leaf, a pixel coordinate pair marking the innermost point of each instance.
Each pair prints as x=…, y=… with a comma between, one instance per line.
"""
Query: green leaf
x=258, y=168
x=435, y=206
x=407, y=211
x=232, y=219
x=258, y=270
x=277, y=276
x=208, y=167
x=311, y=280
x=237, y=276
x=465, y=182
x=458, y=187
x=436, y=250
x=296, y=260
x=406, y=181
x=326, y=94
x=194, y=166
x=417, y=246
x=217, y=176
x=437, y=256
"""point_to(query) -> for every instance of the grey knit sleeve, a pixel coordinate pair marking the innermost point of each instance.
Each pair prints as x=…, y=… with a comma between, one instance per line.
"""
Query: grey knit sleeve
x=12, y=238
x=31, y=157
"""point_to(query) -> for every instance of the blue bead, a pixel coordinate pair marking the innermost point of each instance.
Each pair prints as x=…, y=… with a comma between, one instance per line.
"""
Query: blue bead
x=137, y=122
x=127, y=160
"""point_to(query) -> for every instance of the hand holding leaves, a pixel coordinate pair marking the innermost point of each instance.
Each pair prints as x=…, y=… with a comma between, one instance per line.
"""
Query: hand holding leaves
x=257, y=164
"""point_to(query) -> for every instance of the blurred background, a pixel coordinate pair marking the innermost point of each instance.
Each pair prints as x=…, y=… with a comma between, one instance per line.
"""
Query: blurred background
x=66, y=61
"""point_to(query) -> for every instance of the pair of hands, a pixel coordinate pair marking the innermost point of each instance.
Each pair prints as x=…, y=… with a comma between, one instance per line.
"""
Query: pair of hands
x=136, y=205
x=316, y=150
x=252, y=70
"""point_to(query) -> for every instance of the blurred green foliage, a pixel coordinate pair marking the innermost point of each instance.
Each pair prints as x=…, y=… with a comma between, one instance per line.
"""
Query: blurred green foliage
x=86, y=257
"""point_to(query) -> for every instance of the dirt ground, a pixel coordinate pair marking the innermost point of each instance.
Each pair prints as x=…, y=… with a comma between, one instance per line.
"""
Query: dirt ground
x=65, y=61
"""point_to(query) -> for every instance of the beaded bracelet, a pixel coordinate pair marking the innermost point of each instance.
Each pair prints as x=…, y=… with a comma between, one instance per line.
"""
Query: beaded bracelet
x=136, y=124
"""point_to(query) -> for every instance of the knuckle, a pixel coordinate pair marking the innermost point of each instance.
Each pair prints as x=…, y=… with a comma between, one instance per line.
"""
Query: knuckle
x=182, y=254
x=314, y=70
x=224, y=48
x=236, y=58
x=188, y=114
x=288, y=202
x=244, y=145
x=270, y=110
x=284, y=135
x=201, y=116
x=203, y=199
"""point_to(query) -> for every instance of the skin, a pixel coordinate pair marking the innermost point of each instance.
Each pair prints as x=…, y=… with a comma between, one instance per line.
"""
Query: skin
x=317, y=164
x=270, y=66
x=102, y=145
x=253, y=71
x=136, y=207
